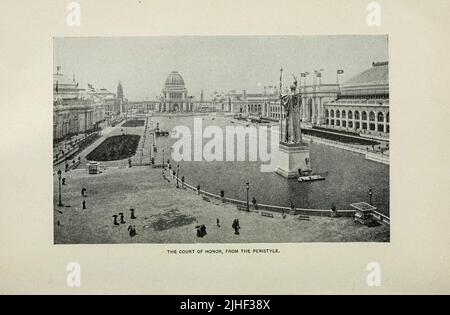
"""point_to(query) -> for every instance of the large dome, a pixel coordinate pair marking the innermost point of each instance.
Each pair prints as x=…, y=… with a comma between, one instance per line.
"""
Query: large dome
x=374, y=80
x=174, y=79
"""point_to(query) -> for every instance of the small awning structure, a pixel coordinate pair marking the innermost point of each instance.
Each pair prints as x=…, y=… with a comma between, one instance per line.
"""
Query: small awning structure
x=94, y=167
x=363, y=207
x=363, y=213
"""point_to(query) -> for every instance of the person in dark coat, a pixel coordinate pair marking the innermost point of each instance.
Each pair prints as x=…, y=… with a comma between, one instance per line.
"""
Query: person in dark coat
x=130, y=230
x=84, y=204
x=203, y=229
x=115, y=219
x=199, y=233
x=122, y=221
x=254, y=203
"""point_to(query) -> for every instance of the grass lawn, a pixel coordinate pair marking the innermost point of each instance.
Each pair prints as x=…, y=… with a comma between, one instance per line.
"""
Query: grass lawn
x=134, y=123
x=115, y=148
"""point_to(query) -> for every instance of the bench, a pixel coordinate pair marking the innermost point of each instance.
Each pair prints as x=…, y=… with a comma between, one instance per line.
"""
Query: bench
x=204, y=198
x=267, y=214
x=303, y=217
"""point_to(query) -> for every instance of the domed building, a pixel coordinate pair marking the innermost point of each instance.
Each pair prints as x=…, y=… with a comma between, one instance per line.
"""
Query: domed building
x=363, y=103
x=174, y=95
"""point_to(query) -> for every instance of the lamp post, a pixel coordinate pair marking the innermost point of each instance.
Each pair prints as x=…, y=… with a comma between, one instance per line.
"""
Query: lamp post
x=178, y=170
x=59, y=193
x=247, y=185
x=370, y=196
x=162, y=168
x=150, y=148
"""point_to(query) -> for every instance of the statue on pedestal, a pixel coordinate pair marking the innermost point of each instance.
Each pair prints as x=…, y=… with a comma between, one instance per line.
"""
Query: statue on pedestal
x=293, y=154
x=291, y=103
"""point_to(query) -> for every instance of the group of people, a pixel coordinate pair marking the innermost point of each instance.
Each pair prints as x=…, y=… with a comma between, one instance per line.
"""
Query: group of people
x=131, y=228
x=201, y=229
x=236, y=226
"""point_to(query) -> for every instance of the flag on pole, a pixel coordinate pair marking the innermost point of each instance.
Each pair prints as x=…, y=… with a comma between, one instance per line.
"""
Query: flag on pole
x=281, y=76
x=340, y=71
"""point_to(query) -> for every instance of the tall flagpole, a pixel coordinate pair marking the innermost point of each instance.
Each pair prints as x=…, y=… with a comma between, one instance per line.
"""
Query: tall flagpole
x=281, y=106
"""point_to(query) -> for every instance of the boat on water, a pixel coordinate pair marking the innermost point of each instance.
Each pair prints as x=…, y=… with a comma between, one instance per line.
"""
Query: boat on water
x=160, y=133
x=310, y=178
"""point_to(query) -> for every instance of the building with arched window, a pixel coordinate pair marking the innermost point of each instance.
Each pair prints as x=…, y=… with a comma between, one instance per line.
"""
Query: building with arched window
x=362, y=104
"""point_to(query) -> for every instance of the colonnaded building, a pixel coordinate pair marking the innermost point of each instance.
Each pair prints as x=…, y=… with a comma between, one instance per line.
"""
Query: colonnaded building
x=363, y=103
x=77, y=110
x=359, y=105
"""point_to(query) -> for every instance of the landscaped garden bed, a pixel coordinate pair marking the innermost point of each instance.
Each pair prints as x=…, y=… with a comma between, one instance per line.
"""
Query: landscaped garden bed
x=134, y=123
x=115, y=148
x=340, y=138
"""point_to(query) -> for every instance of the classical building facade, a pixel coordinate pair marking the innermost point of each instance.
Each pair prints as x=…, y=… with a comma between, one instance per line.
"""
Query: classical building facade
x=314, y=98
x=174, y=95
x=71, y=113
x=256, y=104
x=363, y=103
x=77, y=110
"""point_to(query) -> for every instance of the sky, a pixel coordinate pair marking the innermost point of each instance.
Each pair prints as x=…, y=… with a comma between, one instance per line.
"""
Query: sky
x=219, y=63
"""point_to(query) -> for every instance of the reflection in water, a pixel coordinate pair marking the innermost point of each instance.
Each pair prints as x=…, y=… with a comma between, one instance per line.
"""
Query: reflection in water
x=349, y=177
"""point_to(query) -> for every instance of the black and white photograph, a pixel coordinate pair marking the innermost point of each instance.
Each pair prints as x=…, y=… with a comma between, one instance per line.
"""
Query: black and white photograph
x=221, y=139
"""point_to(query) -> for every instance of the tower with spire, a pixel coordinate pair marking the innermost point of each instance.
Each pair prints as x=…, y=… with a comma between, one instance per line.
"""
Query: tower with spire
x=119, y=90
x=119, y=96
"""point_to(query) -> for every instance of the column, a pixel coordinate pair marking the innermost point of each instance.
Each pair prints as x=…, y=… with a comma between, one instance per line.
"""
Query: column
x=376, y=122
x=360, y=120
x=353, y=119
x=314, y=111
x=319, y=111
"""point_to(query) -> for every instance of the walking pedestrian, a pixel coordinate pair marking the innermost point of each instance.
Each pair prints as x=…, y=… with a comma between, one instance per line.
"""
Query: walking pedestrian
x=115, y=219
x=84, y=204
x=132, y=216
x=130, y=230
x=254, y=203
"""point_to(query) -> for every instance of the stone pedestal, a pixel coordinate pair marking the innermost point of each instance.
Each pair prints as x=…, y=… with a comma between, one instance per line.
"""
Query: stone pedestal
x=293, y=160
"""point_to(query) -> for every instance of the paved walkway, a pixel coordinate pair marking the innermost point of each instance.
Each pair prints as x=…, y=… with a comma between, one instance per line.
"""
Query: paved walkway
x=166, y=214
